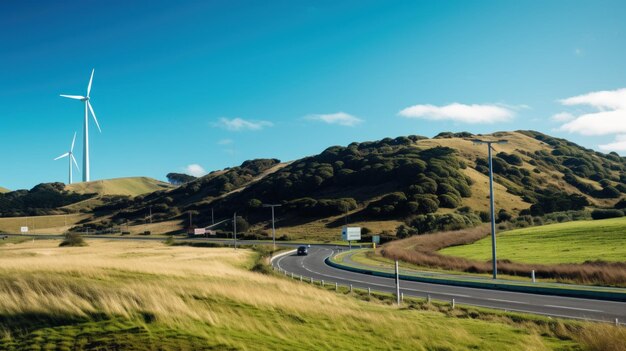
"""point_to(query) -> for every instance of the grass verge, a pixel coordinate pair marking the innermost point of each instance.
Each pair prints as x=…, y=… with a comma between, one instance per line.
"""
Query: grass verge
x=423, y=250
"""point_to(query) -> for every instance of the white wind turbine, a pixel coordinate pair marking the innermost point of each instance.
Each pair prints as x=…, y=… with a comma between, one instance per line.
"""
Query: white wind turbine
x=86, y=126
x=70, y=154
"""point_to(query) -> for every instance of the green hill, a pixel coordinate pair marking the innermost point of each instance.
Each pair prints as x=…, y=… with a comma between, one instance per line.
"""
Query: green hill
x=131, y=186
x=428, y=184
x=572, y=242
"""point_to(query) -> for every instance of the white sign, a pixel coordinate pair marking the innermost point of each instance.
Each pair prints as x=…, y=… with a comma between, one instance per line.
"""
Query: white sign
x=351, y=233
x=199, y=231
x=24, y=229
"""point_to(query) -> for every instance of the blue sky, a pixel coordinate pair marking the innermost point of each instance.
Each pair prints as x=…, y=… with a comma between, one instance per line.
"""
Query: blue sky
x=213, y=83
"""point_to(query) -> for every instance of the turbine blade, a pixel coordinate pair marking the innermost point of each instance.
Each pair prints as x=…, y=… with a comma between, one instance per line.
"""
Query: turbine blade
x=64, y=155
x=94, y=116
x=76, y=163
x=73, y=141
x=90, y=80
x=75, y=97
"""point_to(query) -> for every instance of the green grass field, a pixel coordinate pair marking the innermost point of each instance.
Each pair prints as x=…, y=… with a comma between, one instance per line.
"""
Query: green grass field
x=148, y=296
x=132, y=186
x=571, y=242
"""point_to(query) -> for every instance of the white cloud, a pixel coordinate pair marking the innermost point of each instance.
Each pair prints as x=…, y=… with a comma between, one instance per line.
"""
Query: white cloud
x=610, y=117
x=618, y=145
x=607, y=99
x=225, y=142
x=240, y=124
x=460, y=113
x=562, y=117
x=195, y=170
x=340, y=118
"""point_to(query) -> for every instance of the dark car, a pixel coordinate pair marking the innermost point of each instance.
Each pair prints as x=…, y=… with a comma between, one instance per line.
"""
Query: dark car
x=303, y=251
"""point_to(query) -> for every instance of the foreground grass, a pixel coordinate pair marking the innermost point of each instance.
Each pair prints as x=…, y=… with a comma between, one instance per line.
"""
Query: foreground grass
x=148, y=296
x=571, y=242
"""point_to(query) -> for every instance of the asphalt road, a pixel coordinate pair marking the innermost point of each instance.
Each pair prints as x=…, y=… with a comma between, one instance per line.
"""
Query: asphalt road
x=314, y=266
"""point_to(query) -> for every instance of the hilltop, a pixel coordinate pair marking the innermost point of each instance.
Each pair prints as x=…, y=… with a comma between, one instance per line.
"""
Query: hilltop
x=426, y=183
x=4, y=190
x=130, y=186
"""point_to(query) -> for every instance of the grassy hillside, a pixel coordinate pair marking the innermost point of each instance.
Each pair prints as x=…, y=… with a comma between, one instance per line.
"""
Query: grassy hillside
x=53, y=224
x=131, y=186
x=427, y=184
x=146, y=296
x=572, y=242
x=4, y=190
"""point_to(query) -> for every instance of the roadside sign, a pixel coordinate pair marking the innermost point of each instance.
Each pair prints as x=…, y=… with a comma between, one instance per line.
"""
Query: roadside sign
x=376, y=239
x=351, y=233
x=198, y=231
x=24, y=229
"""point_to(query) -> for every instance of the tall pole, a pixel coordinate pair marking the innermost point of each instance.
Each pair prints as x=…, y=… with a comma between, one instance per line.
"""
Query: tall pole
x=273, y=225
x=86, y=146
x=150, y=207
x=212, y=217
x=493, y=217
x=273, y=230
x=235, y=229
x=492, y=204
x=70, y=168
x=397, y=283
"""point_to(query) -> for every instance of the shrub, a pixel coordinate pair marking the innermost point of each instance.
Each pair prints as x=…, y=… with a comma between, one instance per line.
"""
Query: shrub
x=73, y=239
x=606, y=213
x=448, y=201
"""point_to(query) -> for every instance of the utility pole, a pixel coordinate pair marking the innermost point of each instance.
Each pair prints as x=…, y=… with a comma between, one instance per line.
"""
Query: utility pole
x=235, y=229
x=345, y=208
x=397, y=284
x=190, y=223
x=212, y=217
x=491, y=203
x=273, y=227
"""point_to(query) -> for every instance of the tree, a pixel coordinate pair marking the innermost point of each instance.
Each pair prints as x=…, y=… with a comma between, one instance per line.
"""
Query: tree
x=179, y=178
x=242, y=225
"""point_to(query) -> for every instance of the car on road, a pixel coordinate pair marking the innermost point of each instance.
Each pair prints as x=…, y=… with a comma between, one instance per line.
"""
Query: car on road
x=302, y=251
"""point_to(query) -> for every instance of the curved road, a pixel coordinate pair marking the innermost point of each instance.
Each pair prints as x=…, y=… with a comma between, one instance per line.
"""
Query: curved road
x=313, y=266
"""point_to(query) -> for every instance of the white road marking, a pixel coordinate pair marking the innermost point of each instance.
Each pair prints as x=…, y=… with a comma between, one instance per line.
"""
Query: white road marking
x=573, y=308
x=508, y=301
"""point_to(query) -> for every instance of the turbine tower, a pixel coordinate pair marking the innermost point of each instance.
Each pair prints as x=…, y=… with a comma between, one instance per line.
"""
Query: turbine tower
x=88, y=108
x=70, y=154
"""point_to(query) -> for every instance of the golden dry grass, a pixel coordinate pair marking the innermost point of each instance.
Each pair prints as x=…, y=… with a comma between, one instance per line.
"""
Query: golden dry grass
x=211, y=294
x=54, y=224
x=131, y=186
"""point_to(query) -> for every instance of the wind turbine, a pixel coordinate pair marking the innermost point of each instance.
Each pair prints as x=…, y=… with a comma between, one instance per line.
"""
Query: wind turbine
x=70, y=154
x=86, y=126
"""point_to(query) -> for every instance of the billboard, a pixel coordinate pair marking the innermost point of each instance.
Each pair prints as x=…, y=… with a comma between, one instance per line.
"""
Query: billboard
x=351, y=233
x=24, y=229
